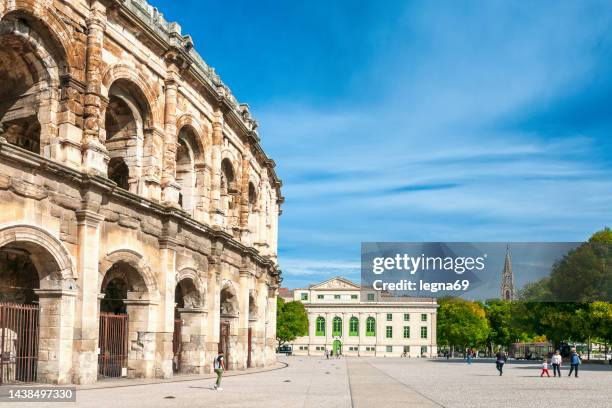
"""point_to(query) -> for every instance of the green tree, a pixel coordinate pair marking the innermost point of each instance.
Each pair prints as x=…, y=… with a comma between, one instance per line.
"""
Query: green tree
x=461, y=323
x=502, y=330
x=291, y=321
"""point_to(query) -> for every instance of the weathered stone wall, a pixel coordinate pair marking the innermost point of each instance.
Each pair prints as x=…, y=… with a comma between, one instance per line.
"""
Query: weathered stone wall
x=118, y=95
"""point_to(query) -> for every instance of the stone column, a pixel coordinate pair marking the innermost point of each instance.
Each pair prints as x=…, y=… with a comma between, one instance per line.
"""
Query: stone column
x=193, y=341
x=70, y=134
x=433, y=350
x=87, y=313
x=243, y=320
x=167, y=286
x=243, y=216
x=55, y=336
x=213, y=300
x=152, y=163
x=95, y=157
x=216, y=214
x=271, y=325
x=170, y=188
x=362, y=330
x=141, y=309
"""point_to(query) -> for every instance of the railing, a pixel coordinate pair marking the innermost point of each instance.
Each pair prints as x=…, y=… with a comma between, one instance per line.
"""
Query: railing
x=18, y=342
x=113, y=341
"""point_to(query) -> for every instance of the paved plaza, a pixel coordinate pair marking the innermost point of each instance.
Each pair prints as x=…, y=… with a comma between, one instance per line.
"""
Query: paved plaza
x=366, y=382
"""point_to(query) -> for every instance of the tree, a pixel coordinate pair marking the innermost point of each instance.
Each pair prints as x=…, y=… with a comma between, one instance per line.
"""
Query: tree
x=291, y=321
x=502, y=332
x=462, y=323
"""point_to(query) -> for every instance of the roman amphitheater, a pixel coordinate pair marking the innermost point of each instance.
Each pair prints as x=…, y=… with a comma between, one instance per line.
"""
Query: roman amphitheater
x=138, y=212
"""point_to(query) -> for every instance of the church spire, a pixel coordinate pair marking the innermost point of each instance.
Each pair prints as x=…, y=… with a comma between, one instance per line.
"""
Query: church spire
x=507, y=286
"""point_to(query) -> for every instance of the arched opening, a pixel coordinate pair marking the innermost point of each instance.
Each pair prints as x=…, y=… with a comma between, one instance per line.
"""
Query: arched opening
x=320, y=326
x=119, y=172
x=228, y=334
x=188, y=304
x=337, y=327
x=24, y=266
x=188, y=156
x=125, y=118
x=30, y=65
x=123, y=339
x=228, y=193
x=354, y=326
x=370, y=327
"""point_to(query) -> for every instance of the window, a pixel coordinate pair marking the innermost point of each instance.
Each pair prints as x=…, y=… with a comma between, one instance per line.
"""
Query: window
x=370, y=326
x=320, y=326
x=389, y=332
x=303, y=347
x=320, y=296
x=406, y=349
x=389, y=349
x=423, y=350
x=336, y=296
x=369, y=348
x=304, y=296
x=354, y=326
x=370, y=297
x=353, y=297
x=406, y=332
x=389, y=317
x=424, y=317
x=406, y=317
x=337, y=326
x=423, y=332
x=353, y=348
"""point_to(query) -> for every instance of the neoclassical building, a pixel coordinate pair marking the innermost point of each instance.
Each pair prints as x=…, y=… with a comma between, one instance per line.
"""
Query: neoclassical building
x=138, y=211
x=342, y=318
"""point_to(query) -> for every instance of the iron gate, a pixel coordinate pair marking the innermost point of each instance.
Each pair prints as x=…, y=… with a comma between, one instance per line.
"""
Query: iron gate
x=177, y=348
x=224, y=342
x=113, y=342
x=250, y=346
x=18, y=342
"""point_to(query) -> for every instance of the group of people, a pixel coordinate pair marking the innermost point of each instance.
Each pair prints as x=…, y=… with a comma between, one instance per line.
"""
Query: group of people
x=329, y=354
x=555, y=360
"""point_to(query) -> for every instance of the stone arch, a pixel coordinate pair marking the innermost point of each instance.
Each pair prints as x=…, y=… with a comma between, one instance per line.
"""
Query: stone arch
x=32, y=61
x=36, y=239
x=143, y=281
x=122, y=71
x=192, y=287
x=229, y=304
x=199, y=131
x=55, y=29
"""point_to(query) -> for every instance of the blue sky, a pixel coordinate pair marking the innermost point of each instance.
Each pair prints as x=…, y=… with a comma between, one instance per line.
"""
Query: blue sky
x=420, y=121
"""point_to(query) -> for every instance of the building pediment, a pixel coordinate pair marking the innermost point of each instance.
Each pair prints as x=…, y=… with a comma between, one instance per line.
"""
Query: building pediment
x=336, y=283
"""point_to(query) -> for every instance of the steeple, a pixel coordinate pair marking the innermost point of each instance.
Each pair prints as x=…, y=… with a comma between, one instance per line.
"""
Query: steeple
x=507, y=286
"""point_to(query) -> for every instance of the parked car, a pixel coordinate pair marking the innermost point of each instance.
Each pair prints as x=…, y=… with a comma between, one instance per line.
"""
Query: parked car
x=285, y=349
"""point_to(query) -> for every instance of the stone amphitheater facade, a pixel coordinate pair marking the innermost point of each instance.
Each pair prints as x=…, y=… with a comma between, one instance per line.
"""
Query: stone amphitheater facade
x=131, y=182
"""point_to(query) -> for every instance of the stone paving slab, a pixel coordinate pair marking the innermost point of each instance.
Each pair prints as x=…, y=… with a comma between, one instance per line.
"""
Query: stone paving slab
x=365, y=382
x=372, y=387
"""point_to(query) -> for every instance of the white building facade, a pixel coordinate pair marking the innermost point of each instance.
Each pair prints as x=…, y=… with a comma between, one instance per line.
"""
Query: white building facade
x=340, y=321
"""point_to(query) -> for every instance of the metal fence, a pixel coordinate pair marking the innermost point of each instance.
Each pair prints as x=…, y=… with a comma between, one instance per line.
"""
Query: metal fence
x=18, y=342
x=113, y=341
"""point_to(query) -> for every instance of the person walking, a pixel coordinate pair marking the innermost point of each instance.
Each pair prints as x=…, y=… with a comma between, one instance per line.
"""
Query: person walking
x=469, y=357
x=574, y=362
x=326, y=354
x=219, y=366
x=556, y=363
x=500, y=360
x=545, y=369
